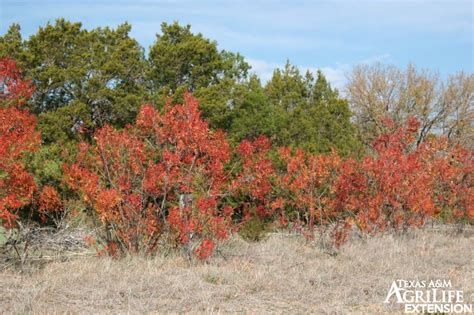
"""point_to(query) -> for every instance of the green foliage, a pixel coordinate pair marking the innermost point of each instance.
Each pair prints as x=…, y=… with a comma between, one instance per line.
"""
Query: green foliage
x=99, y=73
x=217, y=103
x=311, y=115
x=253, y=229
x=253, y=114
x=183, y=61
x=241, y=109
x=61, y=125
x=46, y=163
x=12, y=45
x=181, y=58
x=288, y=89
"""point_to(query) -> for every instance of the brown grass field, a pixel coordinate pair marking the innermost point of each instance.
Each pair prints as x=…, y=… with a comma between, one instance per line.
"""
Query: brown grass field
x=283, y=274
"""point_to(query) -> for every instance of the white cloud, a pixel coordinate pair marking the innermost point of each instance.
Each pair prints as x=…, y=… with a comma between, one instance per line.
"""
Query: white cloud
x=336, y=75
x=263, y=69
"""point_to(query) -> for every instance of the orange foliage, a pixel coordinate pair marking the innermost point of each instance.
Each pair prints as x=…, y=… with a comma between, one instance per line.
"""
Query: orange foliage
x=307, y=181
x=164, y=174
x=17, y=136
x=49, y=202
x=402, y=184
x=253, y=184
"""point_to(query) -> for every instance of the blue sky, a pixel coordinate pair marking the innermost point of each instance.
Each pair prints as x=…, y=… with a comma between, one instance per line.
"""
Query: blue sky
x=329, y=35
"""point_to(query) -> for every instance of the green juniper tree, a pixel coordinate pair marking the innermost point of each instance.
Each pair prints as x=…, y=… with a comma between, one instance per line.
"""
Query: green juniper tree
x=310, y=113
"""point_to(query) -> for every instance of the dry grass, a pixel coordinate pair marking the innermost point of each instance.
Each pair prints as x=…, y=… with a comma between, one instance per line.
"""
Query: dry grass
x=283, y=274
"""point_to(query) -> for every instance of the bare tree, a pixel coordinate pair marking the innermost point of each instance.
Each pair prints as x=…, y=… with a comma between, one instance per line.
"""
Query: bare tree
x=378, y=91
x=458, y=125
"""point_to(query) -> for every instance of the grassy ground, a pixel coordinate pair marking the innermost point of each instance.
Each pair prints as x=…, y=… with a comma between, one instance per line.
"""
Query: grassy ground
x=283, y=274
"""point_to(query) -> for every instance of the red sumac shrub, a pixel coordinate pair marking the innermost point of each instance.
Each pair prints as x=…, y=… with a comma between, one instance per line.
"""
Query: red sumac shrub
x=307, y=182
x=165, y=174
x=17, y=136
x=390, y=188
x=401, y=184
x=50, y=203
x=454, y=185
x=254, y=182
x=205, y=250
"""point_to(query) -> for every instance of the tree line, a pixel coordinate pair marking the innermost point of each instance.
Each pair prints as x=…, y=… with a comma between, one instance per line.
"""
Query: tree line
x=292, y=150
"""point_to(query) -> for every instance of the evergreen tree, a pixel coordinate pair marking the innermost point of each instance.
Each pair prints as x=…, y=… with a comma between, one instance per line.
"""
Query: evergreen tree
x=310, y=113
x=83, y=78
